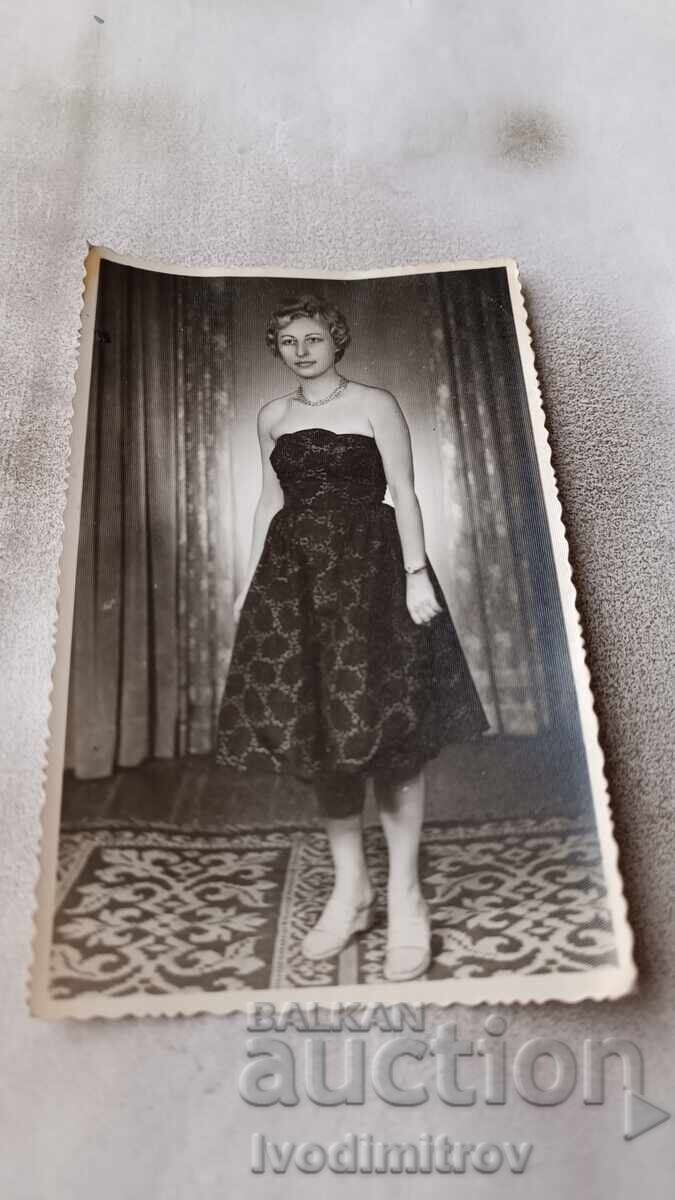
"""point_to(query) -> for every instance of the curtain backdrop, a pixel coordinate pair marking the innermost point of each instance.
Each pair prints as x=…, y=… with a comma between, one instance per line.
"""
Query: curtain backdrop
x=475, y=417
x=153, y=607
x=494, y=508
x=171, y=475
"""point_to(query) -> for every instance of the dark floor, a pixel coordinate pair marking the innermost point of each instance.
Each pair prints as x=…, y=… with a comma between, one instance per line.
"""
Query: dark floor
x=491, y=779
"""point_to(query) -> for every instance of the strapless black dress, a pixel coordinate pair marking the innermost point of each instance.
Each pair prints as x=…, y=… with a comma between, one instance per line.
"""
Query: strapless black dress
x=329, y=673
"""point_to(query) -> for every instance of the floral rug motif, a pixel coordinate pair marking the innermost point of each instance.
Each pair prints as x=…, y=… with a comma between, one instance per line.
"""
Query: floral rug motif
x=158, y=910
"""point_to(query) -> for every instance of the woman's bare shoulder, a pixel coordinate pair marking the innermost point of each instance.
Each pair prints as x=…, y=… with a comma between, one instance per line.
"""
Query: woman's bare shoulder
x=373, y=395
x=378, y=403
x=271, y=411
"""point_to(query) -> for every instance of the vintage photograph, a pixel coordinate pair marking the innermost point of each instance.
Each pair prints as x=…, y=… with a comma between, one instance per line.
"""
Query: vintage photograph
x=322, y=726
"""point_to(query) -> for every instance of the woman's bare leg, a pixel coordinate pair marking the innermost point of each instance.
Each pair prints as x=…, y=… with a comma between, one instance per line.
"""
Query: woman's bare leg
x=401, y=809
x=352, y=887
x=350, y=906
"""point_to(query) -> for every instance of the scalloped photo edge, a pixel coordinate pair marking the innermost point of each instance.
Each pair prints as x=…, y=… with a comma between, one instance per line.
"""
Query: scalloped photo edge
x=601, y=983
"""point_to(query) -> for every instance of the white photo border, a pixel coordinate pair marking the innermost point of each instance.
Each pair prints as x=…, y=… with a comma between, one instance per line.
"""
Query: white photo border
x=600, y=983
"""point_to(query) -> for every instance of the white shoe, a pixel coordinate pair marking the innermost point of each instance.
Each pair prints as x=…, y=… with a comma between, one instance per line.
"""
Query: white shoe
x=329, y=937
x=408, y=946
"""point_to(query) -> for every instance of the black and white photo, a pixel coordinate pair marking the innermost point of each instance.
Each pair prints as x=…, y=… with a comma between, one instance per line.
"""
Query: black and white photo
x=322, y=722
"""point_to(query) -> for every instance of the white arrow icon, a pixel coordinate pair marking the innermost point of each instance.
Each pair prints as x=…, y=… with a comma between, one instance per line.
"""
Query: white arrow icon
x=640, y=1115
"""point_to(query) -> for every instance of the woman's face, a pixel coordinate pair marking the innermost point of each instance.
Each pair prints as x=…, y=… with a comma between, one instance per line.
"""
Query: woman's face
x=306, y=346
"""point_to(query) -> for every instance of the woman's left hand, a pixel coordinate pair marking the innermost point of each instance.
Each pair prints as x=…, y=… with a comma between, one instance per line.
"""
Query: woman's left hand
x=421, y=598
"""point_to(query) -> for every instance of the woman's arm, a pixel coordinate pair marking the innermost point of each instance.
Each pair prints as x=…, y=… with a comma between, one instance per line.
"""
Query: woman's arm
x=271, y=499
x=393, y=441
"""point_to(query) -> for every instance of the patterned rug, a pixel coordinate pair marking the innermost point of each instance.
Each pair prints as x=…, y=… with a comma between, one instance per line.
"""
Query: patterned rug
x=159, y=910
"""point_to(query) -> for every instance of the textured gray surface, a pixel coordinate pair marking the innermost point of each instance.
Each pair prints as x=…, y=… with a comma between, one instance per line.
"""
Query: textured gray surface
x=354, y=135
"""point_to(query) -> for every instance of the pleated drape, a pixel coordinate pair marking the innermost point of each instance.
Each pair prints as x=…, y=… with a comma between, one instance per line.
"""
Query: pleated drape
x=153, y=628
x=153, y=625
x=499, y=543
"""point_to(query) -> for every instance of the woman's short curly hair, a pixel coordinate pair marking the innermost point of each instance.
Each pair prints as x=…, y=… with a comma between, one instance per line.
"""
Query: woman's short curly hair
x=308, y=306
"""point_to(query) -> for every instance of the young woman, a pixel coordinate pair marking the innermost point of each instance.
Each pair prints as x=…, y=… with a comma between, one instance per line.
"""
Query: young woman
x=346, y=663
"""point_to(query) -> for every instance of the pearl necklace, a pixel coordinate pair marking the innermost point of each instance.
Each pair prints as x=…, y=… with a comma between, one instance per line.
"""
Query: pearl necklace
x=299, y=395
